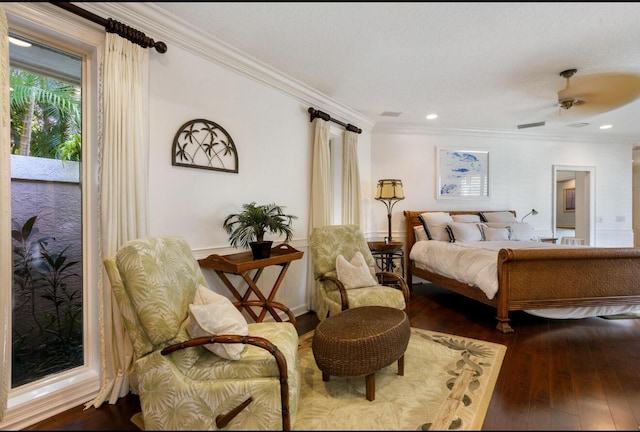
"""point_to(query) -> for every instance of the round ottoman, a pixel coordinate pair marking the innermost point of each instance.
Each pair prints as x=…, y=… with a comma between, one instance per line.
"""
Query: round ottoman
x=361, y=341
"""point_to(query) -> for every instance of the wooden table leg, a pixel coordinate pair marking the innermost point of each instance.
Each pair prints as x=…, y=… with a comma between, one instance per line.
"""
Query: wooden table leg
x=370, y=384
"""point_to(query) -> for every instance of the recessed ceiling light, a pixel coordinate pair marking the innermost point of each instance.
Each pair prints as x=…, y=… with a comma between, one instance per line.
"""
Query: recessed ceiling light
x=606, y=126
x=19, y=42
x=432, y=116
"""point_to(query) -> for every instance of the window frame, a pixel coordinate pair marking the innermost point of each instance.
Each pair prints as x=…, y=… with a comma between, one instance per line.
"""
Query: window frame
x=41, y=399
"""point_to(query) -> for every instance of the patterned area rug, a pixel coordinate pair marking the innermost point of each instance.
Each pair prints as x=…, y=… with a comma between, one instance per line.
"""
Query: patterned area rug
x=447, y=384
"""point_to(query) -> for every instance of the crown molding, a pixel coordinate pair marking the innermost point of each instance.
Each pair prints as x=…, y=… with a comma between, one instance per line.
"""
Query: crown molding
x=407, y=129
x=160, y=25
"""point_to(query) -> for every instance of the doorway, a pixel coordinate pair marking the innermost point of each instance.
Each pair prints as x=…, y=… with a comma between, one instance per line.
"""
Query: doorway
x=578, y=201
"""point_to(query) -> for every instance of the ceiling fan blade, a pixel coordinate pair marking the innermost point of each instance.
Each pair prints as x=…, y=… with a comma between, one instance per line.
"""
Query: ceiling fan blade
x=600, y=93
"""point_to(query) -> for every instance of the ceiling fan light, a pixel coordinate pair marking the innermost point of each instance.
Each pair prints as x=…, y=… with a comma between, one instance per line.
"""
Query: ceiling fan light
x=566, y=104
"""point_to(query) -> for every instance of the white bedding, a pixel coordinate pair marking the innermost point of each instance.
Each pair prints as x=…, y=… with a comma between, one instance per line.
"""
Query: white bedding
x=476, y=264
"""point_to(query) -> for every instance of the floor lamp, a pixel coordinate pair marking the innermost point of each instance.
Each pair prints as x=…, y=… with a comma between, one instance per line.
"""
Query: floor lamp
x=389, y=192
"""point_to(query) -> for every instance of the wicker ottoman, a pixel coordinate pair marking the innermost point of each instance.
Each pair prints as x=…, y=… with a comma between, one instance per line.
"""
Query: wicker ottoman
x=360, y=342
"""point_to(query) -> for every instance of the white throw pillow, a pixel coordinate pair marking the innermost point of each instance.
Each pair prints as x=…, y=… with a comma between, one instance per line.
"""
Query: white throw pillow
x=420, y=233
x=495, y=234
x=464, y=232
x=466, y=218
x=498, y=216
x=354, y=274
x=520, y=231
x=435, y=224
x=212, y=314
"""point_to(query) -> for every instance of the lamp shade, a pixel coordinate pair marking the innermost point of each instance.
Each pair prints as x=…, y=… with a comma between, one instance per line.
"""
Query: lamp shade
x=389, y=189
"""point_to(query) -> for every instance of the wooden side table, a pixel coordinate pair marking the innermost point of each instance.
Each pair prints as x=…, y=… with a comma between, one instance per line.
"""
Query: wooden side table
x=386, y=254
x=243, y=264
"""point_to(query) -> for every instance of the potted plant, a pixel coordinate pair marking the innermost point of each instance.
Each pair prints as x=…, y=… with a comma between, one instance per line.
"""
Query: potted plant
x=248, y=228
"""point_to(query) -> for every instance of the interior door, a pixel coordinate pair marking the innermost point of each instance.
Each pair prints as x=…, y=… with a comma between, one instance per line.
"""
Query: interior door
x=584, y=200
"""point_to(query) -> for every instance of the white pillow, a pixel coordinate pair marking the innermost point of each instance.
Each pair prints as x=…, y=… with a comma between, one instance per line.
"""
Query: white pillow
x=464, y=232
x=420, y=233
x=354, y=274
x=213, y=314
x=466, y=218
x=498, y=216
x=520, y=231
x=435, y=224
x=495, y=234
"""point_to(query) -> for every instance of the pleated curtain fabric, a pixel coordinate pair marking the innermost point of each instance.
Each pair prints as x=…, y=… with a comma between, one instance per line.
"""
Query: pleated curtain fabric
x=351, y=195
x=321, y=192
x=123, y=159
x=321, y=205
x=6, y=274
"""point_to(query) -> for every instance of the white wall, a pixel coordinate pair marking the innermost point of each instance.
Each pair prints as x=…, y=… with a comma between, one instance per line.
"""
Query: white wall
x=520, y=177
x=272, y=134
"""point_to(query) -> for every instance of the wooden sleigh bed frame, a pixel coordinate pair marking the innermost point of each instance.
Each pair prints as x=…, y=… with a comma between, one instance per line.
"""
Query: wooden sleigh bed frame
x=543, y=278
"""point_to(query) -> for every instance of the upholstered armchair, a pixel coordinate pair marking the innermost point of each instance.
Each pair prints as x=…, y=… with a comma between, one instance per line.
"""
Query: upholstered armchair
x=182, y=383
x=345, y=276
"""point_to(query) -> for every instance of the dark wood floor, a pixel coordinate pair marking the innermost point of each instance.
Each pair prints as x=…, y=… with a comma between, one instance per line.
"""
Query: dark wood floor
x=556, y=375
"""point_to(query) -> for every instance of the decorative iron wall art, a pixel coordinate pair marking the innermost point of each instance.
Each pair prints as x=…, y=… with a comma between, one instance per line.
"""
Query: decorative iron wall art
x=206, y=145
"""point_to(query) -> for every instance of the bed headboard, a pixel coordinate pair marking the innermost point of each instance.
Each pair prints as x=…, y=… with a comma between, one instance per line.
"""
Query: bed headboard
x=411, y=220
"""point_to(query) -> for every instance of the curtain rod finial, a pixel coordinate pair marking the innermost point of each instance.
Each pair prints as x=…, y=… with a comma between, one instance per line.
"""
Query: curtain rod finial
x=161, y=47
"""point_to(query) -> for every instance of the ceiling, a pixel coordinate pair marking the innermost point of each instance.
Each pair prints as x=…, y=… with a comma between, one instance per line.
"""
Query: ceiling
x=479, y=66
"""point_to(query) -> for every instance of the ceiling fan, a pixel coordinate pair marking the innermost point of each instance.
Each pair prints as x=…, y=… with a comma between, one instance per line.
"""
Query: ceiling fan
x=592, y=94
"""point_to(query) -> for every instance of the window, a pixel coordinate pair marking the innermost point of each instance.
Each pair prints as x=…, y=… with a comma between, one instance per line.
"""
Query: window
x=54, y=339
x=46, y=211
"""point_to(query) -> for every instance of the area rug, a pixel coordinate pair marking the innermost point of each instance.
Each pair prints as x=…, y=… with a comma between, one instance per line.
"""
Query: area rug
x=447, y=384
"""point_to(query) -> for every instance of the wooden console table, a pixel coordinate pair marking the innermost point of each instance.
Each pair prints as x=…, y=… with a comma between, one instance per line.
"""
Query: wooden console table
x=242, y=264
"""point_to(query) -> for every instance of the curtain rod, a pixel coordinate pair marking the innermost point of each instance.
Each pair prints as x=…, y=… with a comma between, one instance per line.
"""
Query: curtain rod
x=113, y=26
x=313, y=113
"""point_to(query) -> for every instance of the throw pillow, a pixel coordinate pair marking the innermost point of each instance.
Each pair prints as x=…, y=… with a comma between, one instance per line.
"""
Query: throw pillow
x=435, y=224
x=420, y=233
x=354, y=274
x=464, y=232
x=466, y=218
x=495, y=234
x=520, y=231
x=498, y=216
x=212, y=314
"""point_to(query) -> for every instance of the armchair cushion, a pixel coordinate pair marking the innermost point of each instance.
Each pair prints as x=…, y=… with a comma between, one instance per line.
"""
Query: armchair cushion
x=212, y=314
x=354, y=274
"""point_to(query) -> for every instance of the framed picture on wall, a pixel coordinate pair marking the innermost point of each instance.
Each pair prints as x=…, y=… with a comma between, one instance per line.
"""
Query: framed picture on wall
x=569, y=199
x=462, y=174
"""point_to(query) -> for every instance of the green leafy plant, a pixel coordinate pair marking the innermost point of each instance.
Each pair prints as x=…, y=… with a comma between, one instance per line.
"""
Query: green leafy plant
x=71, y=149
x=254, y=221
x=48, y=339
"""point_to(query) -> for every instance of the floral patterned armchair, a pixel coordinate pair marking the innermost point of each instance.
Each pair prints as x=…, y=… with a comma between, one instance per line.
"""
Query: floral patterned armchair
x=182, y=384
x=333, y=293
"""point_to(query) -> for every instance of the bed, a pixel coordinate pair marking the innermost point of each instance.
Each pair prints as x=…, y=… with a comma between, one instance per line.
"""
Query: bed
x=542, y=277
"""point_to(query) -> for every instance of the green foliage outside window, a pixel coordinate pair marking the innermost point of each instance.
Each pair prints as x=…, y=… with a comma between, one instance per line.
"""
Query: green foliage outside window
x=45, y=115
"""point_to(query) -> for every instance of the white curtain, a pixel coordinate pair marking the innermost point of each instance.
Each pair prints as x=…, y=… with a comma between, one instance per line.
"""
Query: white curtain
x=351, y=196
x=321, y=192
x=5, y=214
x=123, y=194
